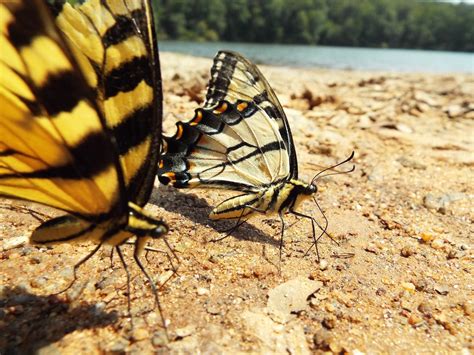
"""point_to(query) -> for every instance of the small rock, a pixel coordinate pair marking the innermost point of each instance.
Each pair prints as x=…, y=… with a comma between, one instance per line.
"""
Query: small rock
x=291, y=297
x=371, y=248
x=38, y=281
x=213, y=308
x=425, y=309
x=415, y=320
x=437, y=244
x=408, y=286
x=441, y=202
x=159, y=338
x=407, y=251
x=454, y=111
x=409, y=163
x=201, y=291
x=441, y=289
x=323, y=265
x=426, y=237
x=118, y=347
x=185, y=331
x=140, y=334
x=15, y=242
x=329, y=322
x=322, y=339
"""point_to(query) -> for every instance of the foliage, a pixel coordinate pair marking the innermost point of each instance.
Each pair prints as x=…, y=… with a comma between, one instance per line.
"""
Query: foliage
x=364, y=23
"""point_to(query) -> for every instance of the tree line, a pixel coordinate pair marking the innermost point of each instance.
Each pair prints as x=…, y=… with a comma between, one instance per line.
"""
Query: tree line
x=362, y=23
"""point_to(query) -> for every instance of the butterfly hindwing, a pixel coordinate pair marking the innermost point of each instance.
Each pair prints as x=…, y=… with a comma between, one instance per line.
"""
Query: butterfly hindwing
x=239, y=139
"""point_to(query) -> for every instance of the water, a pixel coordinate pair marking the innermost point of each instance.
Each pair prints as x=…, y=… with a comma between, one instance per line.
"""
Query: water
x=394, y=60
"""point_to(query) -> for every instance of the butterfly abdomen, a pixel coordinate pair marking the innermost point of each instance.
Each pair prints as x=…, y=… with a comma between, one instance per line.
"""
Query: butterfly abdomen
x=273, y=199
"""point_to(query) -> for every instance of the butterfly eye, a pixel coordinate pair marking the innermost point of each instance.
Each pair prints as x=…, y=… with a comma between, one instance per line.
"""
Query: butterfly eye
x=311, y=189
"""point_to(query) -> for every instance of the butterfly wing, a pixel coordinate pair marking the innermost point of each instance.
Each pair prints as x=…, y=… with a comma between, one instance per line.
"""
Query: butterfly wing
x=240, y=139
x=50, y=125
x=117, y=41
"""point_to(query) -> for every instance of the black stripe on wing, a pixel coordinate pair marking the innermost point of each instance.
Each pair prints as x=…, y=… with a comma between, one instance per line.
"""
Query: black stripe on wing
x=223, y=72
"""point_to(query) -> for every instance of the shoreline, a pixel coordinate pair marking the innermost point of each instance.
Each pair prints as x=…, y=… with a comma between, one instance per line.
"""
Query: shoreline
x=342, y=58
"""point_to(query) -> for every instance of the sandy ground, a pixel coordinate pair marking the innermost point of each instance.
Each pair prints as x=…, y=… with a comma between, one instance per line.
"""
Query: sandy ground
x=398, y=280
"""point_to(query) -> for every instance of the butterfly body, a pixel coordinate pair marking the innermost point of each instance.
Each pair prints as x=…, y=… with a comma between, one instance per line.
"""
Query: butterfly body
x=240, y=140
x=276, y=198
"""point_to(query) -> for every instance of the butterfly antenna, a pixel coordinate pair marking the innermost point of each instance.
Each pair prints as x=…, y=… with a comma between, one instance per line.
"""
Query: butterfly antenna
x=335, y=166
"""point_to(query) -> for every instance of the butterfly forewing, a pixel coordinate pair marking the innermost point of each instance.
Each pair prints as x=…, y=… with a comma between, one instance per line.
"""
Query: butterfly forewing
x=120, y=46
x=238, y=139
x=42, y=154
x=235, y=78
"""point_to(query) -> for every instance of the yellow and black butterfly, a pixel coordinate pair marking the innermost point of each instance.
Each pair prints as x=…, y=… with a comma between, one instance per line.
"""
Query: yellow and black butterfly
x=80, y=119
x=239, y=140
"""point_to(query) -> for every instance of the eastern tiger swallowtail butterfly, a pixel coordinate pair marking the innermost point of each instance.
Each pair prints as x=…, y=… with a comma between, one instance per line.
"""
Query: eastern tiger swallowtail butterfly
x=80, y=120
x=239, y=140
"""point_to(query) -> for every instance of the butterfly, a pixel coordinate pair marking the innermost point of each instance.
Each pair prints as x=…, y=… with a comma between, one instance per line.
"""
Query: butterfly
x=81, y=116
x=240, y=140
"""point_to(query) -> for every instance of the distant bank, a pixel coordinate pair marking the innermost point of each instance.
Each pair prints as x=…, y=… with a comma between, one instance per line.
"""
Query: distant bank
x=394, y=60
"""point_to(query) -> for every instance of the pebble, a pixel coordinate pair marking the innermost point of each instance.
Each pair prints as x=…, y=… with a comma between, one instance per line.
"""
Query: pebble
x=409, y=163
x=291, y=297
x=441, y=289
x=185, y=331
x=118, y=347
x=437, y=244
x=201, y=291
x=38, y=281
x=213, y=309
x=426, y=237
x=407, y=251
x=440, y=203
x=415, y=320
x=140, y=334
x=15, y=242
x=323, y=265
x=408, y=286
x=159, y=338
x=322, y=339
x=329, y=322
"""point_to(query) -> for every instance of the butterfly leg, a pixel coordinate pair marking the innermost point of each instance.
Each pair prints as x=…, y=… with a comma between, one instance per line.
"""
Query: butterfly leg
x=323, y=231
x=76, y=267
x=228, y=232
x=282, y=234
x=239, y=222
x=127, y=272
x=170, y=259
x=136, y=256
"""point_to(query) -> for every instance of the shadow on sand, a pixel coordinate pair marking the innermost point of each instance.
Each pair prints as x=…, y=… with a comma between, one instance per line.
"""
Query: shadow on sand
x=197, y=210
x=29, y=322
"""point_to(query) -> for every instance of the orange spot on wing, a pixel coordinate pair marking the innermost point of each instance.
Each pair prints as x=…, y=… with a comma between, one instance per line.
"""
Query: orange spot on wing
x=196, y=119
x=221, y=108
x=242, y=106
x=179, y=134
x=170, y=175
x=161, y=164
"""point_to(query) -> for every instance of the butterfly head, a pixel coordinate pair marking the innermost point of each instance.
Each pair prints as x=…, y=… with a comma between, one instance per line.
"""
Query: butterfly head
x=143, y=225
x=310, y=189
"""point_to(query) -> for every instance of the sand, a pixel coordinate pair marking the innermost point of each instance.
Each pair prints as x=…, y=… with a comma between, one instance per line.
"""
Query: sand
x=398, y=277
